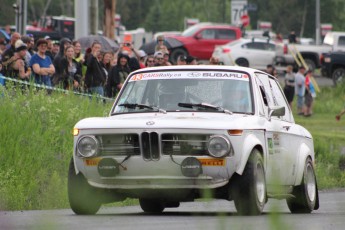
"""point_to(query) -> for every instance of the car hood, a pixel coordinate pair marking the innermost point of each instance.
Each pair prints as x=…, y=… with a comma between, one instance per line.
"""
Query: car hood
x=173, y=120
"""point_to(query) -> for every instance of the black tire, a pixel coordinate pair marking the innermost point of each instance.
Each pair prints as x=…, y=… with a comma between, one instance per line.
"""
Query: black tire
x=310, y=63
x=242, y=62
x=338, y=75
x=151, y=205
x=175, y=53
x=306, y=197
x=249, y=191
x=82, y=197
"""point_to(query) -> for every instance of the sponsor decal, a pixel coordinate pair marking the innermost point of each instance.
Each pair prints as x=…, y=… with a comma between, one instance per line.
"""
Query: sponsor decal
x=190, y=75
x=150, y=123
x=108, y=167
x=212, y=162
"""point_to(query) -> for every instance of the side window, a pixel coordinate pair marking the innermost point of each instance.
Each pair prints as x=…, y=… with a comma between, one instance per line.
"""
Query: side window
x=341, y=41
x=208, y=34
x=279, y=98
x=225, y=34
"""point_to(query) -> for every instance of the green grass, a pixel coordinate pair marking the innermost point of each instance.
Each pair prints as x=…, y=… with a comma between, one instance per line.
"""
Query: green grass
x=36, y=144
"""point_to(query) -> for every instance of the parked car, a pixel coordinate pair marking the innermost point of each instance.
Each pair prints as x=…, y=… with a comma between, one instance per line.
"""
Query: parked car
x=333, y=66
x=312, y=54
x=254, y=53
x=175, y=133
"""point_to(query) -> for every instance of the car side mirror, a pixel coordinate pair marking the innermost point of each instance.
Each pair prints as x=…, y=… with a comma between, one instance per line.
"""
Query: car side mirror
x=276, y=111
x=198, y=36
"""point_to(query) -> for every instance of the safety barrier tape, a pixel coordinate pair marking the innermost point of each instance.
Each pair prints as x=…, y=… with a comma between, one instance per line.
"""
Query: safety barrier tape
x=55, y=88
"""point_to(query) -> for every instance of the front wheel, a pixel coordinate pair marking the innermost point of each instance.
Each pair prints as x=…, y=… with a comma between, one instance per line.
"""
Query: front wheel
x=249, y=191
x=151, y=205
x=338, y=75
x=306, y=197
x=82, y=197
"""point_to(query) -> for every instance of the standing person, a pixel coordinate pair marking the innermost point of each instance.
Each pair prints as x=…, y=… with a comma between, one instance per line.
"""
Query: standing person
x=142, y=56
x=300, y=89
x=292, y=37
x=118, y=75
x=2, y=47
x=159, y=58
x=310, y=94
x=70, y=79
x=160, y=44
x=289, y=88
x=95, y=77
x=55, y=49
x=270, y=69
x=166, y=58
x=78, y=55
x=150, y=61
x=17, y=68
x=9, y=52
x=64, y=42
x=191, y=60
x=30, y=43
x=49, y=51
x=41, y=64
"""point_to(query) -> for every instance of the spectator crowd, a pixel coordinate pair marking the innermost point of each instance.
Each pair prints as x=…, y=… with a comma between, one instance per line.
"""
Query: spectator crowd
x=65, y=65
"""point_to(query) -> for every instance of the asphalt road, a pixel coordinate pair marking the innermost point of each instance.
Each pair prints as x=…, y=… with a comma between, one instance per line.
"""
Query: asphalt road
x=217, y=214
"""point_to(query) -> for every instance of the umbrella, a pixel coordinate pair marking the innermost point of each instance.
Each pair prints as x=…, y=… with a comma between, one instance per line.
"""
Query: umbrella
x=107, y=43
x=169, y=42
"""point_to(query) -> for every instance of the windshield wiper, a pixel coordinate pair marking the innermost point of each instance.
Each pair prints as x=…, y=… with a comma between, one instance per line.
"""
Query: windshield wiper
x=204, y=105
x=142, y=106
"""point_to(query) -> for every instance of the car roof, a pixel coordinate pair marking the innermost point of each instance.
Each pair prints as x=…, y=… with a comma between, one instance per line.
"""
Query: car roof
x=198, y=68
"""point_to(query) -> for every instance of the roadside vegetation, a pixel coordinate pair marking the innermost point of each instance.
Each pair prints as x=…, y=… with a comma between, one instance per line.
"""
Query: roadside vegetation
x=36, y=144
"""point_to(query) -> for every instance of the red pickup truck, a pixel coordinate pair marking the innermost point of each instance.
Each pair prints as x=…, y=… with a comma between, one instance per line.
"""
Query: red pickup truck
x=199, y=40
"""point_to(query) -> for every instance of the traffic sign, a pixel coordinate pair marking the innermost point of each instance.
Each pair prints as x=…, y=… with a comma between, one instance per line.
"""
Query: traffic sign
x=245, y=19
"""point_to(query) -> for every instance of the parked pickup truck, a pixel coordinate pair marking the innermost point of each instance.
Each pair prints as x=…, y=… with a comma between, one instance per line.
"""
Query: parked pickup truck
x=56, y=27
x=312, y=54
x=333, y=66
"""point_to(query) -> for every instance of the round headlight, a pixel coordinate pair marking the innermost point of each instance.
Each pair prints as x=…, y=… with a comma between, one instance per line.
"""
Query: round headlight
x=87, y=146
x=218, y=146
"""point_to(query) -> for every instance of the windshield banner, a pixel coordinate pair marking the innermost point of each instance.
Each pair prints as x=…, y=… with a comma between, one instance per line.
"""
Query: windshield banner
x=190, y=75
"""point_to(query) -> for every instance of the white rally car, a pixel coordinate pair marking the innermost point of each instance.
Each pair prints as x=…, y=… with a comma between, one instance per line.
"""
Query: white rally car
x=176, y=133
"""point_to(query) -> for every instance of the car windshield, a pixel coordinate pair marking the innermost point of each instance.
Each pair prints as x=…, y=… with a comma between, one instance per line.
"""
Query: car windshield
x=203, y=91
x=191, y=31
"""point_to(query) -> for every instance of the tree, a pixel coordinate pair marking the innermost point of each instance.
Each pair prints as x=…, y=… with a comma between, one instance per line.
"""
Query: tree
x=109, y=18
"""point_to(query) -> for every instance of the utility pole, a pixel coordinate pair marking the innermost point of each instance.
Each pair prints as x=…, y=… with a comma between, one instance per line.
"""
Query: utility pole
x=317, y=23
x=81, y=11
x=94, y=17
x=20, y=8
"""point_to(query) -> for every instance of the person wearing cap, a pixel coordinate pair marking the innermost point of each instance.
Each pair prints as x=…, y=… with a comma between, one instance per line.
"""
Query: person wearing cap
x=55, y=48
x=159, y=58
x=181, y=60
x=41, y=64
x=17, y=67
x=300, y=89
x=141, y=54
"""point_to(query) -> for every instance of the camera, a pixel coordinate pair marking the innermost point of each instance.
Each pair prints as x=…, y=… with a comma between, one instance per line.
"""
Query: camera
x=127, y=44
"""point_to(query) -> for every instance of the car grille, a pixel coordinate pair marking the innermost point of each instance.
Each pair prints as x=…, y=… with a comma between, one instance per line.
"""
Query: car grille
x=151, y=145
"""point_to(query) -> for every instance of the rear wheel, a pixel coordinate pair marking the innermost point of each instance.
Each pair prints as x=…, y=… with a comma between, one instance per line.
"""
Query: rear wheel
x=176, y=53
x=151, y=205
x=310, y=63
x=338, y=75
x=242, y=62
x=249, y=191
x=306, y=197
x=82, y=197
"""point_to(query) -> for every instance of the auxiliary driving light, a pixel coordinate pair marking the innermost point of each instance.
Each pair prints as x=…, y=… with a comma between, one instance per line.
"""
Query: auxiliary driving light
x=88, y=146
x=218, y=146
x=191, y=167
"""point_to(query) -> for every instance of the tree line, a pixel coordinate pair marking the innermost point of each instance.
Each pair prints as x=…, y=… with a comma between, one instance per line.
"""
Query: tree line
x=164, y=15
